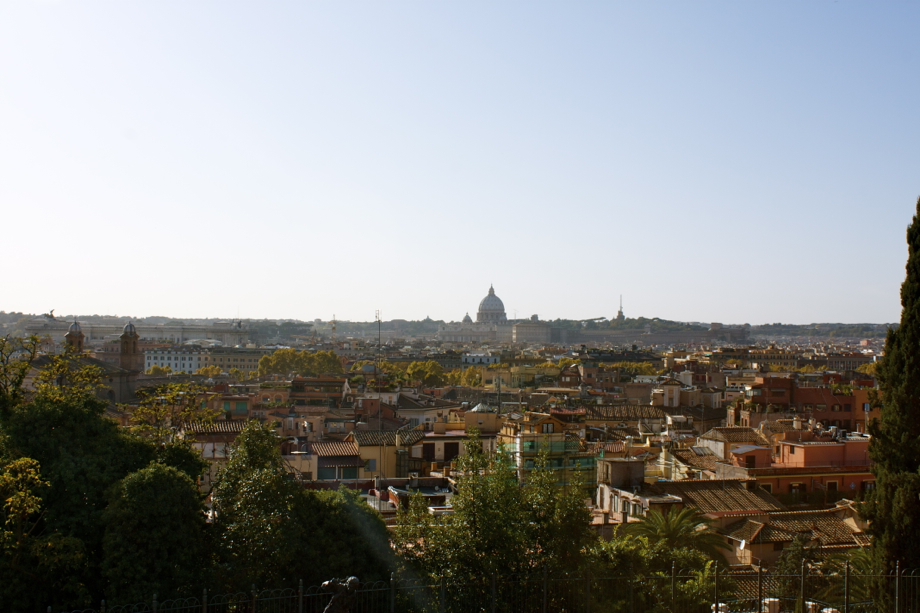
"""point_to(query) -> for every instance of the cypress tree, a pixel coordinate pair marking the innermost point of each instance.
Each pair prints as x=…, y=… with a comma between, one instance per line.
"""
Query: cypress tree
x=893, y=508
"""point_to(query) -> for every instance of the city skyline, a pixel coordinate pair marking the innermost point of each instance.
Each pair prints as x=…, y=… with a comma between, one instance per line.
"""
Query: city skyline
x=713, y=162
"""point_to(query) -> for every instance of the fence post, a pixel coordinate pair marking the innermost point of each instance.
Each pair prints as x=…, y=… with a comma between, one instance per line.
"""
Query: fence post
x=154, y=603
x=846, y=587
x=204, y=601
x=494, y=603
x=392, y=593
x=802, y=588
x=588, y=592
x=716, y=601
x=545, y=587
x=897, y=587
x=632, y=601
x=300, y=596
x=254, y=596
x=102, y=607
x=674, y=588
x=443, y=603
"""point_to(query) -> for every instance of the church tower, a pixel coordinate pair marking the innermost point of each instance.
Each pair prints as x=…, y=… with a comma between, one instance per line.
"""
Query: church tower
x=74, y=338
x=620, y=316
x=130, y=357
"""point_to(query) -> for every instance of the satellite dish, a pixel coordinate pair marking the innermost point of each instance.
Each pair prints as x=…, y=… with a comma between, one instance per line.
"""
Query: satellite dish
x=743, y=544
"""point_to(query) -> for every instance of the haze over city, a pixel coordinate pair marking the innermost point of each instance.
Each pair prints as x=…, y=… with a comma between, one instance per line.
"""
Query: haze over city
x=709, y=161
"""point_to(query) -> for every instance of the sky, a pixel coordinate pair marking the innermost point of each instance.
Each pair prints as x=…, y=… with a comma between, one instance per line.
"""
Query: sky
x=709, y=161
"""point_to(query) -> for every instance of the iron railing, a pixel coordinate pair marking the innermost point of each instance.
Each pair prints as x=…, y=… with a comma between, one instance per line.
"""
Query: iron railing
x=707, y=590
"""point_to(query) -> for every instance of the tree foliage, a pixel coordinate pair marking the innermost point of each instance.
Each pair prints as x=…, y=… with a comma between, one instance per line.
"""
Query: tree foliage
x=16, y=357
x=687, y=528
x=498, y=526
x=895, y=446
x=163, y=410
x=209, y=371
x=156, y=536
x=34, y=563
x=271, y=531
x=302, y=363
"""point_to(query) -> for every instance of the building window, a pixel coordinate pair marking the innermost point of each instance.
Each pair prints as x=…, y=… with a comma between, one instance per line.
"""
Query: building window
x=547, y=428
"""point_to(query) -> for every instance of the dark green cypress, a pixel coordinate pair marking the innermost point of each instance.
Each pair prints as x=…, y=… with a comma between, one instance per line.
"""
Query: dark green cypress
x=893, y=507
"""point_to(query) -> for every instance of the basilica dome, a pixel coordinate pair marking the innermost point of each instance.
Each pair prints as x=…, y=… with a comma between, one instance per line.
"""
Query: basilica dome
x=491, y=309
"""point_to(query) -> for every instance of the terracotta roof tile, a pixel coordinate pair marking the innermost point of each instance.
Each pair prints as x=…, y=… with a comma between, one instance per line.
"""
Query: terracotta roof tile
x=376, y=438
x=334, y=448
x=222, y=426
x=720, y=495
x=625, y=412
x=823, y=526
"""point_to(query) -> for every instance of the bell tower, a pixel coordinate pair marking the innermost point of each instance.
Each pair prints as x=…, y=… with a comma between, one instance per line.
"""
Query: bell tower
x=74, y=338
x=130, y=356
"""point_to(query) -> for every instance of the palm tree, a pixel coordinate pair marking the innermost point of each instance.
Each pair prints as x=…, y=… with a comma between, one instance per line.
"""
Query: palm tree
x=687, y=528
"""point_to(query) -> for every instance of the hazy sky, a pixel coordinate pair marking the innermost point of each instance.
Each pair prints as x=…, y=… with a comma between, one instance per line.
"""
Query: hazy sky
x=711, y=161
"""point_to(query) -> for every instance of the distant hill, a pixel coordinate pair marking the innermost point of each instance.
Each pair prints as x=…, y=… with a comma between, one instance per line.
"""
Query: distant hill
x=825, y=330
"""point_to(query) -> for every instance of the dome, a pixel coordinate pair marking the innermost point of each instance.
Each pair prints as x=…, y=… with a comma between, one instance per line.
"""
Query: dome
x=129, y=329
x=74, y=327
x=467, y=319
x=491, y=309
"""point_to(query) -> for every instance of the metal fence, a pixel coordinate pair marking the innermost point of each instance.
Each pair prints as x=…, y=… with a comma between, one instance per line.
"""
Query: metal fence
x=676, y=591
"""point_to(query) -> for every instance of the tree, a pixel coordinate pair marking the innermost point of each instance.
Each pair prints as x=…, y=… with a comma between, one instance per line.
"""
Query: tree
x=165, y=408
x=869, y=369
x=304, y=363
x=209, y=371
x=271, y=531
x=63, y=427
x=237, y=375
x=159, y=371
x=36, y=567
x=635, y=368
x=428, y=373
x=563, y=362
x=643, y=566
x=687, y=528
x=471, y=377
x=498, y=526
x=892, y=507
x=156, y=536
x=16, y=357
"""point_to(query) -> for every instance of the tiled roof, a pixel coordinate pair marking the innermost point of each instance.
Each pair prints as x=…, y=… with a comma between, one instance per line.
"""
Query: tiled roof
x=222, y=426
x=720, y=495
x=822, y=526
x=334, y=448
x=703, y=461
x=625, y=412
x=777, y=426
x=376, y=438
x=737, y=435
